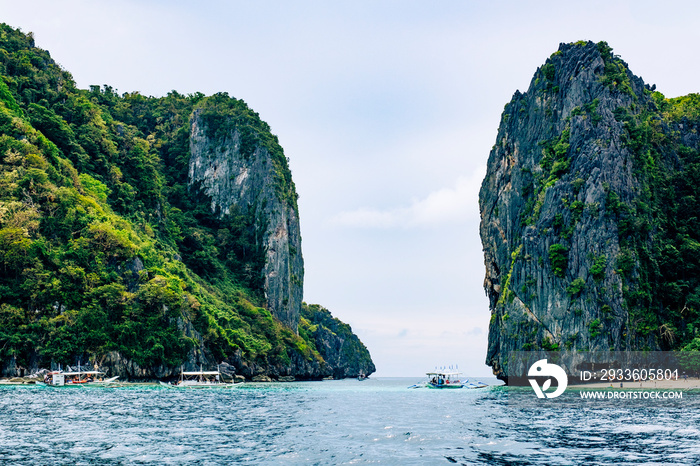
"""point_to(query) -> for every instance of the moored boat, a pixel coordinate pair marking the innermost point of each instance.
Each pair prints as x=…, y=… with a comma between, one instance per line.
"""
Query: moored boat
x=200, y=379
x=77, y=378
x=447, y=378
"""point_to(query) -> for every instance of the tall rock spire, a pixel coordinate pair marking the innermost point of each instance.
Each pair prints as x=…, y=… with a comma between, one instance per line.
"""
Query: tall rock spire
x=573, y=211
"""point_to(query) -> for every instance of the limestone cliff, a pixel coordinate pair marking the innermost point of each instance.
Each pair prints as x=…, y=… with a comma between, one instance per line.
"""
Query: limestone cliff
x=147, y=234
x=250, y=181
x=577, y=212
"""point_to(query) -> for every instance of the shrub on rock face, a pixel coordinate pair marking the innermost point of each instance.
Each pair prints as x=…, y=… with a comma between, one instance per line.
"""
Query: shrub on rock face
x=558, y=258
x=576, y=286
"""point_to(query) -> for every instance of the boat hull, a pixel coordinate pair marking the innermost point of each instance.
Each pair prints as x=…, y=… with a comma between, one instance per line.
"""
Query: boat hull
x=445, y=386
x=94, y=383
x=201, y=386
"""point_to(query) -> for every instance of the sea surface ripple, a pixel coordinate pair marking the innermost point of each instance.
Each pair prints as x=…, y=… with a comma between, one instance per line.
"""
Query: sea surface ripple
x=377, y=421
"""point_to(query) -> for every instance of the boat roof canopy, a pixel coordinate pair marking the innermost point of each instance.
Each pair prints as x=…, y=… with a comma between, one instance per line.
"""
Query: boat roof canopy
x=201, y=373
x=79, y=373
x=444, y=373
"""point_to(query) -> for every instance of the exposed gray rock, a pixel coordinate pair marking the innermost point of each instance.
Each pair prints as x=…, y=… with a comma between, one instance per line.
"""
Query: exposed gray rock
x=113, y=363
x=231, y=178
x=262, y=378
x=558, y=152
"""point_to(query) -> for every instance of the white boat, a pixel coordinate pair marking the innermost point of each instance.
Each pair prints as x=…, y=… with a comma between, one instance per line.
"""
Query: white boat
x=447, y=379
x=77, y=378
x=200, y=379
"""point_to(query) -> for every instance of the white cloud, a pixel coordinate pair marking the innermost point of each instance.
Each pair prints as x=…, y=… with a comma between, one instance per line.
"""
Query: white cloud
x=446, y=206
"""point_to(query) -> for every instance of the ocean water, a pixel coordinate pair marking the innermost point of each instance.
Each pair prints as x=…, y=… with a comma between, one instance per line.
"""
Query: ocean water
x=377, y=421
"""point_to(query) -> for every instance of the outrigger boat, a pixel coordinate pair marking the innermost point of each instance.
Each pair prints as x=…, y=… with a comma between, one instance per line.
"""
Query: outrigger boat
x=447, y=378
x=200, y=379
x=444, y=379
x=80, y=377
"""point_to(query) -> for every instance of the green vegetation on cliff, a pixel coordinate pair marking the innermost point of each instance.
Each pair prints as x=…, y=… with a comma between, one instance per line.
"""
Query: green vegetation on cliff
x=103, y=244
x=335, y=341
x=660, y=228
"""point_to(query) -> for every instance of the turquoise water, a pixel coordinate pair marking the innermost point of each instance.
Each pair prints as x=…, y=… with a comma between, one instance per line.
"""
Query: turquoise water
x=378, y=421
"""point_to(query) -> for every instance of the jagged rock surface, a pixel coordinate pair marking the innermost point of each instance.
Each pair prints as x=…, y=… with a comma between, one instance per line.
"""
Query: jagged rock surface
x=231, y=179
x=551, y=241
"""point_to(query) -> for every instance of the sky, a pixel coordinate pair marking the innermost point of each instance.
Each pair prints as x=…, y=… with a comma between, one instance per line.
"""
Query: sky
x=387, y=111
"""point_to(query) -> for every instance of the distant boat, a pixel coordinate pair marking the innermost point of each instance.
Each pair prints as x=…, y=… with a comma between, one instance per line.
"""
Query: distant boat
x=448, y=379
x=200, y=379
x=361, y=376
